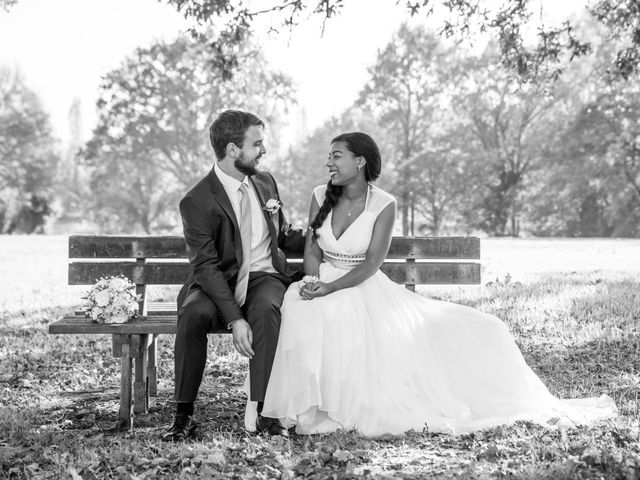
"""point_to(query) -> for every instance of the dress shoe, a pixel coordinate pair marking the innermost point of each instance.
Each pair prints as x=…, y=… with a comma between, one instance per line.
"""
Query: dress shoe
x=270, y=426
x=183, y=428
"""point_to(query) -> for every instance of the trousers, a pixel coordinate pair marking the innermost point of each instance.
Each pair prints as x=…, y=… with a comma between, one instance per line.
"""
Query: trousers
x=199, y=316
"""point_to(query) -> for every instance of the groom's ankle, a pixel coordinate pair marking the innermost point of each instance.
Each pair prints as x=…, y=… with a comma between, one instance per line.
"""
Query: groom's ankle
x=184, y=408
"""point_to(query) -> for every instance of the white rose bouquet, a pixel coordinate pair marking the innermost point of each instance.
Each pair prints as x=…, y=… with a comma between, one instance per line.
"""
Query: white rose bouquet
x=112, y=300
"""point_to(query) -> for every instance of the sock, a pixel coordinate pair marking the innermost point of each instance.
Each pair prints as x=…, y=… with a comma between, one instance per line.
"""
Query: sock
x=260, y=405
x=184, y=408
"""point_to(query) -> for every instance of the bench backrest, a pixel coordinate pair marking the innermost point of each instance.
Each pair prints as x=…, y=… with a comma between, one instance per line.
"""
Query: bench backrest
x=162, y=260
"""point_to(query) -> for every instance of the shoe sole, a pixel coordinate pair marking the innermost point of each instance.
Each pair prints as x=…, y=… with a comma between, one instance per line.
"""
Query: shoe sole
x=191, y=433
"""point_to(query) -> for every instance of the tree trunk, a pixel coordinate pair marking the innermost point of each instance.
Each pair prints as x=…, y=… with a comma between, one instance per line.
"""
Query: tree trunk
x=405, y=213
x=413, y=214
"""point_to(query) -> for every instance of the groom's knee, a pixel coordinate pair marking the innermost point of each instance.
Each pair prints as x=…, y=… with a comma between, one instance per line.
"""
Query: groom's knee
x=264, y=312
x=197, y=315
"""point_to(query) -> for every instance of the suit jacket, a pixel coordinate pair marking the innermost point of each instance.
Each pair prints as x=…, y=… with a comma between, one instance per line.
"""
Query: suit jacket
x=214, y=246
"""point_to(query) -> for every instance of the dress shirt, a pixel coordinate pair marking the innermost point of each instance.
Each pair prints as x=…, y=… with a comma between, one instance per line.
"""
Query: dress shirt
x=260, y=239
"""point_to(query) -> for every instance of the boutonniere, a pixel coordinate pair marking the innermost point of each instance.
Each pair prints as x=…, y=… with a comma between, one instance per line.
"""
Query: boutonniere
x=272, y=205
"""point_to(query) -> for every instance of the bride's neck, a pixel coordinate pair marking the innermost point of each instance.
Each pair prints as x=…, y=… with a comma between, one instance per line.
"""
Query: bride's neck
x=355, y=190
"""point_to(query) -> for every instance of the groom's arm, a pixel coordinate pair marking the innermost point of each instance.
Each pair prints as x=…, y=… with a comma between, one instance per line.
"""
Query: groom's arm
x=204, y=257
x=290, y=240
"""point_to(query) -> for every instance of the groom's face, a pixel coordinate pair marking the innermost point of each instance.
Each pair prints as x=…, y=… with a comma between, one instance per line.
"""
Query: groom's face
x=252, y=150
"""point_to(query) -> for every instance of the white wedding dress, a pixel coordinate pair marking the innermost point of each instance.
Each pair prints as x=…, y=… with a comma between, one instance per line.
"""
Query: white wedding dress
x=381, y=359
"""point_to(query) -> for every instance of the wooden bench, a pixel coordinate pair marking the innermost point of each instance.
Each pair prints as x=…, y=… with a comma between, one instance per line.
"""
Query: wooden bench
x=161, y=260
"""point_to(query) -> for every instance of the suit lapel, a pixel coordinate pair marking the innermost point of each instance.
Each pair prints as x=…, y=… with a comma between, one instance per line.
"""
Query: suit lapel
x=222, y=198
x=265, y=213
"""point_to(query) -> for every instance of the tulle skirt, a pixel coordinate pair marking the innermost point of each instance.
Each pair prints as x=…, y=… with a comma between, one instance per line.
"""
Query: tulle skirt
x=380, y=359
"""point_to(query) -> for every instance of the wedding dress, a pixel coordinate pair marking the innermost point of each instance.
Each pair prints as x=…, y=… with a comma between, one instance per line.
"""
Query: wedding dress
x=381, y=359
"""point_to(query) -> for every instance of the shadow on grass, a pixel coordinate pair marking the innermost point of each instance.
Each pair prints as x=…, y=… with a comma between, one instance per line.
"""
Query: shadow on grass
x=579, y=334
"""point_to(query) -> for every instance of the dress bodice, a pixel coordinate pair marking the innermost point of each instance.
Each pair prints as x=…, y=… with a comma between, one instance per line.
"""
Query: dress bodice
x=354, y=241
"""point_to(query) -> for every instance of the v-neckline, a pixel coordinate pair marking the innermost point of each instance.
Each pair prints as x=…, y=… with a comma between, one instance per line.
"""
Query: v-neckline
x=366, y=202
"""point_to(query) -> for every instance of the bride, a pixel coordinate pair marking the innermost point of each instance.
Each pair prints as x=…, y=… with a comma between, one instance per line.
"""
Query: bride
x=358, y=351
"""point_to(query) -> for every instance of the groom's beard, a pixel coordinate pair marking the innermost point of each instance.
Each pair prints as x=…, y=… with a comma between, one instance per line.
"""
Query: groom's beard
x=248, y=169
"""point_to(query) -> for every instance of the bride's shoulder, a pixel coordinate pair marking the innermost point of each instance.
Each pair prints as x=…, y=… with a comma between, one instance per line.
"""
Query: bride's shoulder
x=381, y=197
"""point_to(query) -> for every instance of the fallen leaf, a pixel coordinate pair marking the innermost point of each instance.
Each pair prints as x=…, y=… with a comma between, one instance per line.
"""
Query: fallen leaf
x=74, y=474
x=342, y=455
x=215, y=458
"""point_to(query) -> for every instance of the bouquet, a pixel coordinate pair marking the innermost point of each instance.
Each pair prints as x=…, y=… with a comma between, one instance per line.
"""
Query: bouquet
x=112, y=300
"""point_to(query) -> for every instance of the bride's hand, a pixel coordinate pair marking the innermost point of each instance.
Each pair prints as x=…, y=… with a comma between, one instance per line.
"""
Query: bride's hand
x=314, y=290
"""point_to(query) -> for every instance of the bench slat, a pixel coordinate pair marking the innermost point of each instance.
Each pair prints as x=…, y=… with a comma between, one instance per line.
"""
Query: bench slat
x=430, y=273
x=116, y=246
x=91, y=246
x=419, y=273
x=82, y=325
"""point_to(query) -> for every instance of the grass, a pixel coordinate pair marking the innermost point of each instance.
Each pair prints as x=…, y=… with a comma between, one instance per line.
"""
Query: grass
x=573, y=306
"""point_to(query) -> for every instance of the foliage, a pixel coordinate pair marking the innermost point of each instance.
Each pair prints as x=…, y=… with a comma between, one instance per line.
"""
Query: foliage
x=570, y=304
x=508, y=121
x=608, y=141
x=151, y=141
x=466, y=146
x=408, y=88
x=6, y=5
x=509, y=24
x=27, y=157
x=588, y=184
x=451, y=178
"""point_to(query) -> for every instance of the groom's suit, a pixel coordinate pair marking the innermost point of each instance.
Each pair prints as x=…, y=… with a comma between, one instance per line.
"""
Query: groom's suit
x=206, y=301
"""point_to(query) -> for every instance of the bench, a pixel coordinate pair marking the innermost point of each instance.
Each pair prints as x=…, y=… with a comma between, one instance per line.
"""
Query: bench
x=161, y=260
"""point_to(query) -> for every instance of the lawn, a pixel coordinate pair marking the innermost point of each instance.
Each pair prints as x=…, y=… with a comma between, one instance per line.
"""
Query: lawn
x=573, y=306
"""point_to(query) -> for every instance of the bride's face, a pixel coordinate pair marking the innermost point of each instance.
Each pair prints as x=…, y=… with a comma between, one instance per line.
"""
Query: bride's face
x=342, y=164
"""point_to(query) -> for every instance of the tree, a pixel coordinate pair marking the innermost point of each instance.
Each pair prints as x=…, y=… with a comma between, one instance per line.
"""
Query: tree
x=508, y=26
x=509, y=122
x=450, y=177
x=607, y=141
x=27, y=157
x=151, y=140
x=405, y=92
x=7, y=4
x=588, y=183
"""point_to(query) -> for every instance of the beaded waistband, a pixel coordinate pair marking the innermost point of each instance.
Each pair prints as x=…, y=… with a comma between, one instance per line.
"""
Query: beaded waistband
x=342, y=260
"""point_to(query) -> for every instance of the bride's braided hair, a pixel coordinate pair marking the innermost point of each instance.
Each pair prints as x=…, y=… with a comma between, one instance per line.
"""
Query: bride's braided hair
x=361, y=145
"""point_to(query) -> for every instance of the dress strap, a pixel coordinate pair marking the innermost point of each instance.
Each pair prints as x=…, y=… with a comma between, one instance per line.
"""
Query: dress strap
x=319, y=193
x=378, y=199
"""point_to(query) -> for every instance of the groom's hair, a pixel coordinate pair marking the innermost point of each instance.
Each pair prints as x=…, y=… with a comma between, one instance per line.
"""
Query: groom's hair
x=230, y=127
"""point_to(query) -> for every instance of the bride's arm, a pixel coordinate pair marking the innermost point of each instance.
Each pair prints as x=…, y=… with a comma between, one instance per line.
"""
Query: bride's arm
x=376, y=253
x=312, y=252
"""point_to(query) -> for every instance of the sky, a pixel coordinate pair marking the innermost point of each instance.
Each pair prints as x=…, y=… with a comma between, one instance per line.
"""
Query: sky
x=63, y=47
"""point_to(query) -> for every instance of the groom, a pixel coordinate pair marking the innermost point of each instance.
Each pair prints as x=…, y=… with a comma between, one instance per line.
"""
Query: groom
x=235, y=234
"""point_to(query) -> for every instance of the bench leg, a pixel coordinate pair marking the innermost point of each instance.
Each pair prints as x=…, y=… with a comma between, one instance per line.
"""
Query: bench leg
x=152, y=370
x=140, y=386
x=124, y=418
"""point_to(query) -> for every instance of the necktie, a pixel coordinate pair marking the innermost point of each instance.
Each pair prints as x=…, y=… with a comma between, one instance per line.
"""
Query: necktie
x=240, y=293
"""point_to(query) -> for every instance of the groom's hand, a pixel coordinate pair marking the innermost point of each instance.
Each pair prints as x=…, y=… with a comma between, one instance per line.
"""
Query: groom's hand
x=242, y=337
